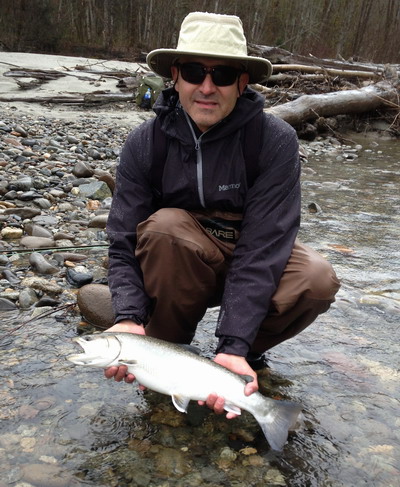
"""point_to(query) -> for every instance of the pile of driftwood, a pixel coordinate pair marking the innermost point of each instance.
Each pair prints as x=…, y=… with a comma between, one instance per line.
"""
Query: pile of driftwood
x=307, y=89
x=302, y=89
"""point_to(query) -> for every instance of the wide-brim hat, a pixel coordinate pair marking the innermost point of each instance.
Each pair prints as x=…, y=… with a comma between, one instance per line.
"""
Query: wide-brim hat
x=211, y=35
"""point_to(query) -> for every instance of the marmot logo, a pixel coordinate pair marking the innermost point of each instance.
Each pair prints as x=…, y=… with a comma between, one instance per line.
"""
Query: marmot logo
x=226, y=187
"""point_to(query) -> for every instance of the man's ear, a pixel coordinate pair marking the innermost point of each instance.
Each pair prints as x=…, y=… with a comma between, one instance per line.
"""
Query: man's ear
x=175, y=75
x=243, y=82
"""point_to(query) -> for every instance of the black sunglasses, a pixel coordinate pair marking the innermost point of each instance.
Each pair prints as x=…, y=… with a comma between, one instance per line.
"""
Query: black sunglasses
x=195, y=73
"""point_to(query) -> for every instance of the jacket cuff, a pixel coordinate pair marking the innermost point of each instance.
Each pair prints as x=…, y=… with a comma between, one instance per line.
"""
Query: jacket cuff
x=134, y=318
x=233, y=346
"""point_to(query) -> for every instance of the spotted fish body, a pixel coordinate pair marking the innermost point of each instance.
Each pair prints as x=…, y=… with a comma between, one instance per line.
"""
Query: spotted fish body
x=175, y=371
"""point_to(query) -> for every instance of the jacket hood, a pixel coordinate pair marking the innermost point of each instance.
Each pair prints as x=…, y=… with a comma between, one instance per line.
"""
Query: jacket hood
x=171, y=113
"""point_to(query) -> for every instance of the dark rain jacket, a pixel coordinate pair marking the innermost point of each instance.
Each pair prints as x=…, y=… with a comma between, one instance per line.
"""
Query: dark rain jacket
x=209, y=172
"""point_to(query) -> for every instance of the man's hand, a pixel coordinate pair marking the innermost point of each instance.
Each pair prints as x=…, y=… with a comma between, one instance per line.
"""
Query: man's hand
x=240, y=366
x=120, y=373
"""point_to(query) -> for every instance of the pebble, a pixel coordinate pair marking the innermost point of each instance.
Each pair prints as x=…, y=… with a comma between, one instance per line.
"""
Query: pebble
x=37, y=231
x=78, y=276
x=27, y=298
x=40, y=265
x=6, y=305
x=42, y=284
x=9, y=233
x=36, y=242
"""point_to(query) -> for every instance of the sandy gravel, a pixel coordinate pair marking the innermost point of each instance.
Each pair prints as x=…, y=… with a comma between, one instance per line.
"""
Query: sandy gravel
x=76, y=81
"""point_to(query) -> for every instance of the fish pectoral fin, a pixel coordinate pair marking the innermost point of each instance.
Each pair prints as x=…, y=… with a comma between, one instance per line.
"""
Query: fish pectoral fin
x=231, y=408
x=180, y=402
x=126, y=362
x=247, y=378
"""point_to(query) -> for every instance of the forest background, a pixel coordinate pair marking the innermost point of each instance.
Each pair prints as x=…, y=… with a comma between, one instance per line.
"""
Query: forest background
x=363, y=30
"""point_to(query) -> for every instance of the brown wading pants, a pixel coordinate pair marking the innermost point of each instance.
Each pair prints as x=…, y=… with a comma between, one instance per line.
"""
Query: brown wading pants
x=184, y=268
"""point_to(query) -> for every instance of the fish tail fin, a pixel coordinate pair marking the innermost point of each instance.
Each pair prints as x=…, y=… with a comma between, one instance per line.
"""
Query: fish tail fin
x=277, y=421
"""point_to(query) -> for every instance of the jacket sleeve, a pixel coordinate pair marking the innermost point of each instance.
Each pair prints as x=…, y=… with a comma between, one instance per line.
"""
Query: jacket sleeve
x=270, y=224
x=132, y=204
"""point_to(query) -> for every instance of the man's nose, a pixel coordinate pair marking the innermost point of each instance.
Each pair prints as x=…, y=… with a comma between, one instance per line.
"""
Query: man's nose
x=208, y=85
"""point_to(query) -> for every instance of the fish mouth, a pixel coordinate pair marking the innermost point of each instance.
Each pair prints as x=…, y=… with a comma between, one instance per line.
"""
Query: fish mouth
x=96, y=350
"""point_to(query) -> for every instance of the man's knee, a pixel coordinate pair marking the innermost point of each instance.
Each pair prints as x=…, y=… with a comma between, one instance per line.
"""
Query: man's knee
x=167, y=221
x=307, y=275
x=321, y=281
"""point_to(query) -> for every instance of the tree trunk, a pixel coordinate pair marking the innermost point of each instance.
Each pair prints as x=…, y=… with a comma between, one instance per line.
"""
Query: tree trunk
x=311, y=107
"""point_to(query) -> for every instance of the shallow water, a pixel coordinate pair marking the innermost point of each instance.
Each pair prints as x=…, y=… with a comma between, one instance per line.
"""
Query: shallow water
x=67, y=426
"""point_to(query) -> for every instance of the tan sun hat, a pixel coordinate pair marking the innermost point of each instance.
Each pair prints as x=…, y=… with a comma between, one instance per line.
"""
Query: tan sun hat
x=211, y=35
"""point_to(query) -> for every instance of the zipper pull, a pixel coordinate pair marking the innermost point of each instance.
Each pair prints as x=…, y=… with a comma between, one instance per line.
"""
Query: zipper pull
x=197, y=145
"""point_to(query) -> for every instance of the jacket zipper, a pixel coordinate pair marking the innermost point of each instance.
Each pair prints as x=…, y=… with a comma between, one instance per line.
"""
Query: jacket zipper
x=199, y=159
x=199, y=162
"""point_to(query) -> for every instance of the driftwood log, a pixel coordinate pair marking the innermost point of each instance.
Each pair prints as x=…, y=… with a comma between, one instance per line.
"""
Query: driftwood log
x=279, y=56
x=311, y=107
x=346, y=73
x=73, y=99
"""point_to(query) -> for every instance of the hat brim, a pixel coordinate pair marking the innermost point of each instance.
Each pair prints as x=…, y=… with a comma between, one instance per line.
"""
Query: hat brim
x=161, y=60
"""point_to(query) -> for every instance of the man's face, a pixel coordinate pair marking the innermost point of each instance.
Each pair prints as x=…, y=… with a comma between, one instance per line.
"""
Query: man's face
x=207, y=103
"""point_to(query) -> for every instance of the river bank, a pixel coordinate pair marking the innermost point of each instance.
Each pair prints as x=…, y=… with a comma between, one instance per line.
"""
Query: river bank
x=61, y=422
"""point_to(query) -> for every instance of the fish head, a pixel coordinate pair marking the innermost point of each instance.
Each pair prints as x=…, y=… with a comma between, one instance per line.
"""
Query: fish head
x=99, y=350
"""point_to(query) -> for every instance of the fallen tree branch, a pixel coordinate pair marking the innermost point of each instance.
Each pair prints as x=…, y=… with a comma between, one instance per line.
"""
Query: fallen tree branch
x=45, y=74
x=311, y=107
x=279, y=56
x=79, y=99
x=327, y=71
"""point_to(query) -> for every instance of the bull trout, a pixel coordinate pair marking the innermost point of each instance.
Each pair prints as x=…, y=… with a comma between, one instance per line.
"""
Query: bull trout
x=173, y=370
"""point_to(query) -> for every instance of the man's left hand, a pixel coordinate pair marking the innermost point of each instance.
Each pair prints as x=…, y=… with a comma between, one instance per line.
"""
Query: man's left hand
x=238, y=365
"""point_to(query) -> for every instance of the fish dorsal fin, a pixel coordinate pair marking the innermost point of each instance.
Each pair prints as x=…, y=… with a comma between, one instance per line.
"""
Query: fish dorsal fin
x=247, y=378
x=231, y=408
x=180, y=402
x=190, y=348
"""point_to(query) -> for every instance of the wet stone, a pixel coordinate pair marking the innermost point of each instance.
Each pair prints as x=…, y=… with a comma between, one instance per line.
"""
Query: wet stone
x=79, y=276
x=94, y=301
x=46, y=475
x=40, y=265
x=6, y=305
x=10, y=276
x=42, y=284
x=27, y=298
x=172, y=463
x=46, y=301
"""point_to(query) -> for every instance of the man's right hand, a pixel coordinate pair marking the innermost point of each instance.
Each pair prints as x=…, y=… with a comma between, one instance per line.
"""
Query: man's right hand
x=121, y=373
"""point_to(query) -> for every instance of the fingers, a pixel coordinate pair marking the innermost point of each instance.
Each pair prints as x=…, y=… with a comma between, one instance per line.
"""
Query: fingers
x=251, y=387
x=119, y=374
x=217, y=404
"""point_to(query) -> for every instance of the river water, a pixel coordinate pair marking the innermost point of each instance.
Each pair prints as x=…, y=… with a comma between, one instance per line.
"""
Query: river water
x=63, y=425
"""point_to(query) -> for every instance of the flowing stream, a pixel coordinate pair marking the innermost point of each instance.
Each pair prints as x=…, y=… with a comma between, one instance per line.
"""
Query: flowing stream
x=62, y=425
